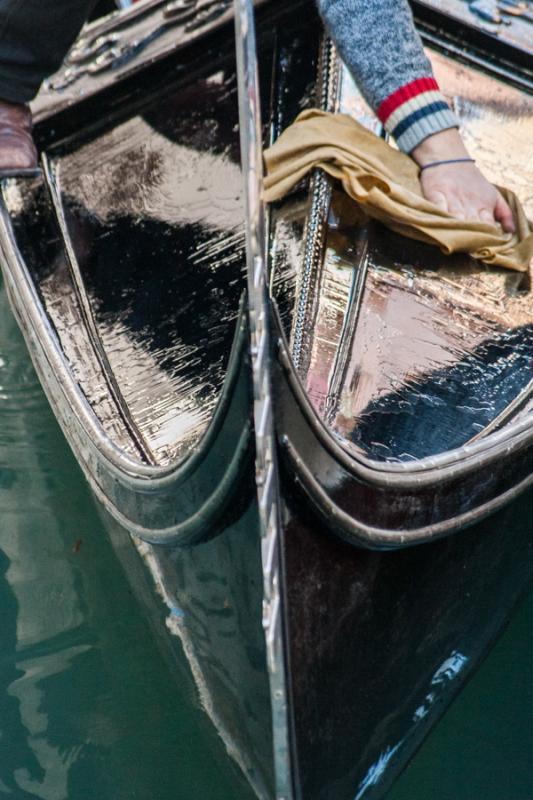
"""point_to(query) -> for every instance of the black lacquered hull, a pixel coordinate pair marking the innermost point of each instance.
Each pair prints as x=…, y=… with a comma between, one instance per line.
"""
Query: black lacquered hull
x=382, y=634
x=205, y=605
x=380, y=643
x=124, y=262
x=322, y=642
x=381, y=510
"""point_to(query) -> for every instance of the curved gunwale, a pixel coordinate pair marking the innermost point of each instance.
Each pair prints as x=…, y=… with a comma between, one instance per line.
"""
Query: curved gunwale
x=423, y=472
x=121, y=465
x=374, y=538
x=137, y=437
x=449, y=465
x=193, y=528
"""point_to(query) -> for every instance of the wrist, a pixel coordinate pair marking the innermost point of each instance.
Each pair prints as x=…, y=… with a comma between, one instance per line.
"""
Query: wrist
x=440, y=146
x=415, y=111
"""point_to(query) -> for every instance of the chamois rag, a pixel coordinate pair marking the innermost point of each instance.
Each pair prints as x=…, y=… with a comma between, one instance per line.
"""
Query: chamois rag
x=385, y=183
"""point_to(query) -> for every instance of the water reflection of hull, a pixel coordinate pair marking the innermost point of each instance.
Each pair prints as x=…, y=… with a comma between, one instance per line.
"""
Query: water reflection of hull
x=322, y=645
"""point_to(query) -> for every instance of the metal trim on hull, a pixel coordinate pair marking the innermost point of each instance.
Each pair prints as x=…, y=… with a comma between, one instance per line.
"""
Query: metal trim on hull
x=372, y=538
x=268, y=494
x=88, y=318
x=347, y=493
x=182, y=34
x=315, y=225
x=423, y=472
x=105, y=465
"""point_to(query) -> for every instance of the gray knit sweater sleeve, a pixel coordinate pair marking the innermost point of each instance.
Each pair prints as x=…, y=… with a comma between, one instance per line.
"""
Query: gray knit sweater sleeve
x=379, y=44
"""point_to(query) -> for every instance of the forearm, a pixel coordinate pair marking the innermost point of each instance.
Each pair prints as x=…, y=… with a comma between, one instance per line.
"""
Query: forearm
x=379, y=44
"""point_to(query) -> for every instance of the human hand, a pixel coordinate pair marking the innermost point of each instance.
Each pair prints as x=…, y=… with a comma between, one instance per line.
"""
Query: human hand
x=460, y=189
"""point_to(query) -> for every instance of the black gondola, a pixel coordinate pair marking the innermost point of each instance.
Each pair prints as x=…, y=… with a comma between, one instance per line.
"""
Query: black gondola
x=327, y=611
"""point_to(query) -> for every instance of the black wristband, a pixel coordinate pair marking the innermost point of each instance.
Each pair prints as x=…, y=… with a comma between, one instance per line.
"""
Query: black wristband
x=448, y=161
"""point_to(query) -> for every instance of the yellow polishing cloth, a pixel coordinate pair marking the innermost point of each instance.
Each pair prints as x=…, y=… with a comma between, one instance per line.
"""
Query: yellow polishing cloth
x=385, y=183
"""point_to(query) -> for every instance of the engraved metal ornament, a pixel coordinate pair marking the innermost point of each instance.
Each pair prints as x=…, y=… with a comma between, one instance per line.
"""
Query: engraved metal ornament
x=258, y=308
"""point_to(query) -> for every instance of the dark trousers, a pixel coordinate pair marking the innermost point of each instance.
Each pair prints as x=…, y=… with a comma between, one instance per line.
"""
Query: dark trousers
x=35, y=36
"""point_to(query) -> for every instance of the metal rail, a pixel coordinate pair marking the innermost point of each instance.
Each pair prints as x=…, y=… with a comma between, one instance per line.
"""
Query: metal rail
x=258, y=314
x=316, y=223
x=138, y=439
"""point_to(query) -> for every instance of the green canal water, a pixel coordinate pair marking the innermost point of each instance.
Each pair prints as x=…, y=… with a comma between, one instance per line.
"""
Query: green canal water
x=90, y=709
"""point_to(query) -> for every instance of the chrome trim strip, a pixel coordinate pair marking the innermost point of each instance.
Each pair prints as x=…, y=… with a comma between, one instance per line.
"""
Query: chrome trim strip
x=194, y=527
x=373, y=538
x=87, y=314
x=118, y=463
x=425, y=472
x=315, y=230
x=258, y=312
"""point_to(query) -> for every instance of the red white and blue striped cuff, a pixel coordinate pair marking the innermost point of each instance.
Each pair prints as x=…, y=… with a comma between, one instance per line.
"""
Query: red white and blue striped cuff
x=415, y=111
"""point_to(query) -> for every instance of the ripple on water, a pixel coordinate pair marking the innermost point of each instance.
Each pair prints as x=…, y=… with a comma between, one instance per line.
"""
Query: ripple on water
x=89, y=709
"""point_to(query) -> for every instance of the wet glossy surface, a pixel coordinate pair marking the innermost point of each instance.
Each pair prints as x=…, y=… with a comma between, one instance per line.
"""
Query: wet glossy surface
x=118, y=47
x=40, y=244
x=154, y=211
x=154, y=215
x=346, y=604
x=213, y=597
x=380, y=643
x=433, y=349
x=90, y=707
x=508, y=21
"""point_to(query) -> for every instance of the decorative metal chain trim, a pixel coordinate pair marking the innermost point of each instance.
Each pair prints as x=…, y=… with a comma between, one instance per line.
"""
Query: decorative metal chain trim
x=314, y=237
x=316, y=223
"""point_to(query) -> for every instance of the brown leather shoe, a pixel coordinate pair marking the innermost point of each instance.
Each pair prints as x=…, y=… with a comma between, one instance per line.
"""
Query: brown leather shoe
x=17, y=149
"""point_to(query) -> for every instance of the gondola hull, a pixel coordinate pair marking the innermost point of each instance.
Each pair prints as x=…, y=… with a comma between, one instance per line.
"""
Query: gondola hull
x=381, y=642
x=329, y=607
